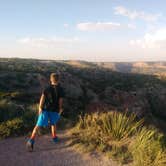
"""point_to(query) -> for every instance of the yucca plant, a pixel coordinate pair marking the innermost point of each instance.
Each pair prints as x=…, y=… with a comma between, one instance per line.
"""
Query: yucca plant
x=119, y=125
x=114, y=125
x=120, y=134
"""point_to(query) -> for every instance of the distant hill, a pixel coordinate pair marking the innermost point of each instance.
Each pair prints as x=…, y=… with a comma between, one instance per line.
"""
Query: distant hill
x=136, y=67
x=88, y=86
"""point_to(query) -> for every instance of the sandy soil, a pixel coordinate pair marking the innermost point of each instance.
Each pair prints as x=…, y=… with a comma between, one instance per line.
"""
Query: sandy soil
x=47, y=153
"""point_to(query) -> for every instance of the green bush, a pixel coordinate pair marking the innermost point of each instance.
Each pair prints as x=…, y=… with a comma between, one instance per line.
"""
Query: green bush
x=29, y=119
x=9, y=110
x=15, y=121
x=12, y=127
x=146, y=149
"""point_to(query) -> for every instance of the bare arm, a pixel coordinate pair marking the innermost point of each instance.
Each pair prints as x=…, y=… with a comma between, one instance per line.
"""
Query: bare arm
x=42, y=99
x=60, y=105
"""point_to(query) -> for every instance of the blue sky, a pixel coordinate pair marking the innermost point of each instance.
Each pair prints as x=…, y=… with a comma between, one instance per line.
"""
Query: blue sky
x=93, y=30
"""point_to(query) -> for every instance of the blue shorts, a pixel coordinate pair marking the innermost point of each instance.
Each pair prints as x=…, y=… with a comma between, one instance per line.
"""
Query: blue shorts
x=46, y=116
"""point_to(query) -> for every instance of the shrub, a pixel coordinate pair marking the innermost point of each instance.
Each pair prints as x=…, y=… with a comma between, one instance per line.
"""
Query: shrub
x=146, y=149
x=115, y=125
x=107, y=132
x=12, y=127
x=120, y=136
x=119, y=125
x=9, y=110
x=29, y=119
x=15, y=121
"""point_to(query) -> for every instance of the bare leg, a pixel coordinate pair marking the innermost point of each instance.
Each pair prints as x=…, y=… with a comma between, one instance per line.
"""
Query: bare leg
x=30, y=142
x=53, y=131
x=34, y=132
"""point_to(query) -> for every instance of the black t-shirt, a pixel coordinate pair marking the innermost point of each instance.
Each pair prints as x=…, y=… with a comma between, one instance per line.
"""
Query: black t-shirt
x=52, y=95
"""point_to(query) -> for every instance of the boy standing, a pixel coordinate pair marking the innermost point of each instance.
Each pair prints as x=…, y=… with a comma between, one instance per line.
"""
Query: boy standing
x=50, y=108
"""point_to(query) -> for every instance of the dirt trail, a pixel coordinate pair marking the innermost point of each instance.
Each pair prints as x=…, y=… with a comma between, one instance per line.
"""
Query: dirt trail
x=47, y=153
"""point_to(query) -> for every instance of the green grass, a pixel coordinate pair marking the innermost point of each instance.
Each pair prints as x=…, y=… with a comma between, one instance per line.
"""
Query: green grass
x=120, y=136
x=147, y=149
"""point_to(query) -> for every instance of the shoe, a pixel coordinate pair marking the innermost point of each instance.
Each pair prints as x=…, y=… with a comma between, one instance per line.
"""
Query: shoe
x=30, y=145
x=56, y=139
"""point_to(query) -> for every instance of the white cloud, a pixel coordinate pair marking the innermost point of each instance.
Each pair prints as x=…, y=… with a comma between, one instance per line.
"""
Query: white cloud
x=97, y=26
x=156, y=39
x=120, y=10
x=48, y=42
x=131, y=26
x=66, y=25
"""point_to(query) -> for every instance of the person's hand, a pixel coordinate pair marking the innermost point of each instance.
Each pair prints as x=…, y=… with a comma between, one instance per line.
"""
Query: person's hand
x=40, y=111
x=60, y=110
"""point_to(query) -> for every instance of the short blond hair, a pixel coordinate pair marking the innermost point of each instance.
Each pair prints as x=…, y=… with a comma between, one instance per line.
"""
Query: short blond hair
x=54, y=76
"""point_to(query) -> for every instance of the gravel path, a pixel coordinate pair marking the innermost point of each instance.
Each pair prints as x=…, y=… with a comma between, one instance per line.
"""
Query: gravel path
x=47, y=153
